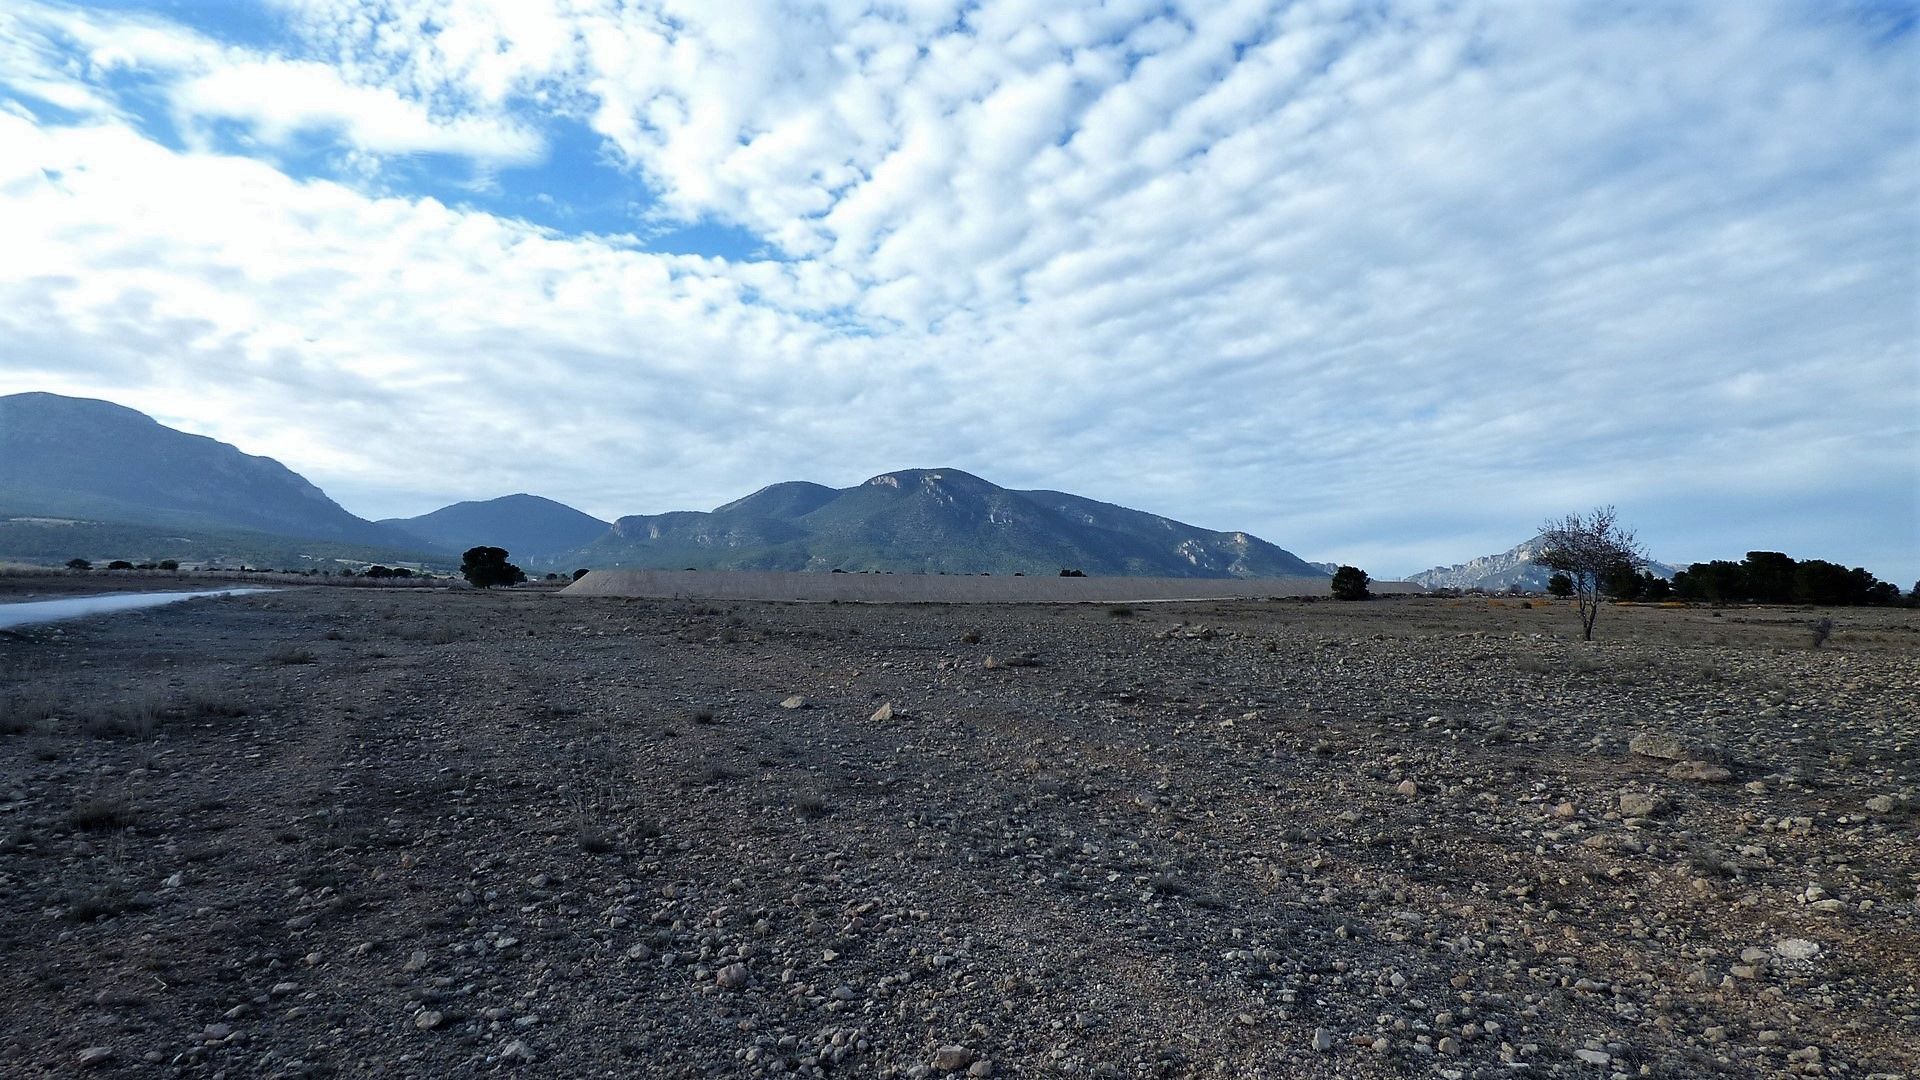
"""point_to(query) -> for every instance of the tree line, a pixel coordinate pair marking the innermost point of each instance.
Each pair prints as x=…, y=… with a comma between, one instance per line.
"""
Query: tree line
x=1772, y=577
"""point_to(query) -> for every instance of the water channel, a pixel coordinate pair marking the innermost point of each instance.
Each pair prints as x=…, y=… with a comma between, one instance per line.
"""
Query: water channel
x=74, y=607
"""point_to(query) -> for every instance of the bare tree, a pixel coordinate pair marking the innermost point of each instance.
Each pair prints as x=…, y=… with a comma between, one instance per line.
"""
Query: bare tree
x=1586, y=548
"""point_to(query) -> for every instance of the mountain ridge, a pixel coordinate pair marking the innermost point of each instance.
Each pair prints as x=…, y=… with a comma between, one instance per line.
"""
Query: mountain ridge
x=137, y=483
x=93, y=460
x=1513, y=568
x=935, y=520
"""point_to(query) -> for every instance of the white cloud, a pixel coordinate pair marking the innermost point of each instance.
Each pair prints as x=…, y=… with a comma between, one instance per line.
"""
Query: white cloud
x=67, y=58
x=1259, y=266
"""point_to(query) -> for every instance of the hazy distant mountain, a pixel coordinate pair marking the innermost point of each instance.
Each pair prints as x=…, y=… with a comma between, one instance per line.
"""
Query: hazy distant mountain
x=528, y=526
x=1514, y=567
x=933, y=521
x=78, y=458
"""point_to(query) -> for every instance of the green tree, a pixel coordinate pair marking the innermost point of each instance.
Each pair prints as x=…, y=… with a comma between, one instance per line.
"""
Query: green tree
x=1560, y=585
x=79, y=564
x=580, y=573
x=485, y=567
x=1350, y=583
x=1770, y=577
x=1588, y=548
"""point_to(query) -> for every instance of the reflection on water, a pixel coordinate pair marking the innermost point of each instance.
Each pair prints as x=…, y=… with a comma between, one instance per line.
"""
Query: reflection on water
x=72, y=607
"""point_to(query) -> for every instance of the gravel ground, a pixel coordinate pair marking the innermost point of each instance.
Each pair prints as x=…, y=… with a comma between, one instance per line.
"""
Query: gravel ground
x=330, y=831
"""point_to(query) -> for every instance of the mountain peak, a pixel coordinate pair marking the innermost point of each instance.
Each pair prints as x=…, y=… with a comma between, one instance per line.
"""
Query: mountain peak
x=909, y=479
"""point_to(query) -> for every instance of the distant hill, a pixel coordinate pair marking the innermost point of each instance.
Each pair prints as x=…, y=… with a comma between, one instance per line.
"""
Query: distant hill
x=528, y=526
x=932, y=521
x=85, y=479
x=1512, y=568
x=79, y=459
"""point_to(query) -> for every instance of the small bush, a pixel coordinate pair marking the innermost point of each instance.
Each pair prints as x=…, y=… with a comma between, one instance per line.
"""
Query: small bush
x=1120, y=612
x=101, y=811
x=292, y=655
x=1822, y=630
x=136, y=718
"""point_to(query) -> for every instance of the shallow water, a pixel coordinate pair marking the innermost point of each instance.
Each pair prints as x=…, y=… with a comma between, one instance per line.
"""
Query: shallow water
x=73, y=607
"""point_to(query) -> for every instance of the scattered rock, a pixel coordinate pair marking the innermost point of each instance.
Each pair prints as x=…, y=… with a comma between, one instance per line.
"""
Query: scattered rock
x=952, y=1058
x=94, y=1056
x=1641, y=804
x=1881, y=804
x=1322, y=1041
x=1794, y=948
x=797, y=701
x=1408, y=787
x=428, y=1019
x=731, y=977
x=882, y=714
x=1702, y=771
x=1659, y=744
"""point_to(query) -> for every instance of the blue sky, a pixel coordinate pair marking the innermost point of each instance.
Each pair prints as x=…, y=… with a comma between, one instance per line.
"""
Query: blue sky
x=1388, y=283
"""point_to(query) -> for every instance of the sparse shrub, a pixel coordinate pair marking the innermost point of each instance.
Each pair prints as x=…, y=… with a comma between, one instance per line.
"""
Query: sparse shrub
x=1073, y=573
x=292, y=655
x=169, y=564
x=119, y=564
x=1120, y=612
x=101, y=811
x=704, y=716
x=26, y=710
x=594, y=840
x=1822, y=630
x=135, y=718
x=99, y=902
x=811, y=807
x=79, y=564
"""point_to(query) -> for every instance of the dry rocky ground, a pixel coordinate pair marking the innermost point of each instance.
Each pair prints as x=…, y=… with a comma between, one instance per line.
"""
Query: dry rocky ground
x=328, y=831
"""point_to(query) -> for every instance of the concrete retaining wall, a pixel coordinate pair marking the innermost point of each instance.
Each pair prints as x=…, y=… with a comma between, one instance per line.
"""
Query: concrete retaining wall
x=941, y=588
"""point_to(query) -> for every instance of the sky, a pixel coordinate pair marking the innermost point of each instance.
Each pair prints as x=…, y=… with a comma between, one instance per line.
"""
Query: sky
x=1388, y=283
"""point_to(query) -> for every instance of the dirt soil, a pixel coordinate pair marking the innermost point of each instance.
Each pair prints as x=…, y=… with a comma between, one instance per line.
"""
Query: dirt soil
x=353, y=832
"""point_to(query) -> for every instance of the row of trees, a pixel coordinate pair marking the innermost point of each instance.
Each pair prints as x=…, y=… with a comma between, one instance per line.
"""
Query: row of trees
x=1771, y=577
x=122, y=564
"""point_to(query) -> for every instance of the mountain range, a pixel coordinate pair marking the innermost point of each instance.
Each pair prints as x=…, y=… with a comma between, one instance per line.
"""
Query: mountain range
x=87, y=478
x=934, y=521
x=1512, y=568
